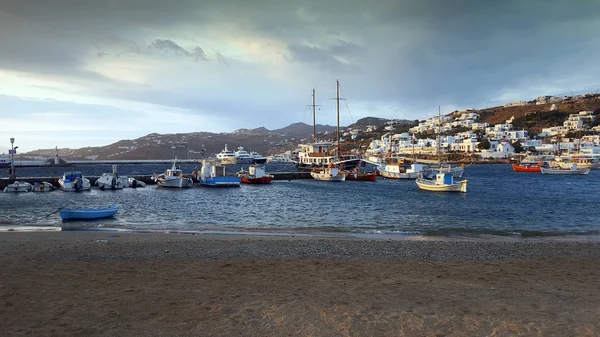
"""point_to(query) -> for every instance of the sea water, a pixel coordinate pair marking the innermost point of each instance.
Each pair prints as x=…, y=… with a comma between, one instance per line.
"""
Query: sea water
x=498, y=202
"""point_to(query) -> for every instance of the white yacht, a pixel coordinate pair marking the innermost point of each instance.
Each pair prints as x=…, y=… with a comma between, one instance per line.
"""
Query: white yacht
x=74, y=181
x=173, y=178
x=243, y=157
x=258, y=158
x=226, y=156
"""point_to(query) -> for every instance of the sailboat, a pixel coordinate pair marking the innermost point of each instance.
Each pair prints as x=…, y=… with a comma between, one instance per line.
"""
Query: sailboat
x=320, y=154
x=444, y=176
x=332, y=172
x=457, y=171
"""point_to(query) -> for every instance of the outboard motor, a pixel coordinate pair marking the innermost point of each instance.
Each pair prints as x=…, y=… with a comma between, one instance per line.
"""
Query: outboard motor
x=78, y=184
x=113, y=183
x=134, y=183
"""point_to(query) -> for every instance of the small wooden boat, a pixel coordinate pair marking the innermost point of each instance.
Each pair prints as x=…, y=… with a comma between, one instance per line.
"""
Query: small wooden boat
x=572, y=170
x=67, y=214
x=443, y=182
x=256, y=174
x=528, y=166
x=173, y=178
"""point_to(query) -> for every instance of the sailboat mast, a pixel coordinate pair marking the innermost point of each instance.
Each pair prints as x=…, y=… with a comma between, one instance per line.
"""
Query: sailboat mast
x=314, y=118
x=413, y=146
x=439, y=136
x=337, y=98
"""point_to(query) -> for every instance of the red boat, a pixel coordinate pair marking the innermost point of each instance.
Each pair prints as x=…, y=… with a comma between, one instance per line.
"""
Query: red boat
x=360, y=176
x=527, y=167
x=253, y=180
x=255, y=175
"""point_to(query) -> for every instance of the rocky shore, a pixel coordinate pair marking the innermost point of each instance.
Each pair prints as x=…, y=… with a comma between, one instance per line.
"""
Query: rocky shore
x=116, y=284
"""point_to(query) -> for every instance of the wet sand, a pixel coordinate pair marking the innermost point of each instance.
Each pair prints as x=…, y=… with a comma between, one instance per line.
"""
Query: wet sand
x=70, y=284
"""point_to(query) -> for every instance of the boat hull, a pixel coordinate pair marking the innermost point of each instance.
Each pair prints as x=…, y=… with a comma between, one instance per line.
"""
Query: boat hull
x=75, y=186
x=253, y=180
x=175, y=183
x=70, y=214
x=432, y=186
x=521, y=168
x=353, y=176
x=221, y=182
x=398, y=175
x=322, y=176
x=43, y=187
x=565, y=171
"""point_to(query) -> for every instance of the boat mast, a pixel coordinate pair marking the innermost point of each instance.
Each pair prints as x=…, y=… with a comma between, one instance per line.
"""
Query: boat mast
x=337, y=98
x=314, y=118
x=439, y=136
x=413, y=146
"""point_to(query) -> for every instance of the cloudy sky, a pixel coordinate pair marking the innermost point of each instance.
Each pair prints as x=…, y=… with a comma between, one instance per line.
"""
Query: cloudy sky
x=79, y=73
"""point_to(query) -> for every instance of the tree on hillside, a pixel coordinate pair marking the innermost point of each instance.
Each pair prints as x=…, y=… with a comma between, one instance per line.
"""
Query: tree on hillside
x=484, y=144
x=518, y=147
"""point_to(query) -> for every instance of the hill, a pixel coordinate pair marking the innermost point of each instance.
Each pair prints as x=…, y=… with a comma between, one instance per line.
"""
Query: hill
x=524, y=115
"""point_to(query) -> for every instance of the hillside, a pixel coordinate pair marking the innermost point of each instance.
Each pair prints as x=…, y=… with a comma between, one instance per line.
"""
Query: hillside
x=524, y=115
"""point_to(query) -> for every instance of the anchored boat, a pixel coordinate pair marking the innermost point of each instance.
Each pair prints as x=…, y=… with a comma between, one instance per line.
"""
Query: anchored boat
x=74, y=181
x=443, y=182
x=18, y=187
x=173, y=177
x=256, y=174
x=67, y=214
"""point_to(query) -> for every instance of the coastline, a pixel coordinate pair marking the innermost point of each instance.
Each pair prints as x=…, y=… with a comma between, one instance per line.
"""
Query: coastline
x=153, y=284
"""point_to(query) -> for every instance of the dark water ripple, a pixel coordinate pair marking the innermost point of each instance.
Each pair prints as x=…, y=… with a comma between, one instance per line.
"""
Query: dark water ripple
x=499, y=202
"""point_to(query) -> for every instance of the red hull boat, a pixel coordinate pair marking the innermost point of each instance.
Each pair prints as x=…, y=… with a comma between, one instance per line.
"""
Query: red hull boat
x=262, y=180
x=527, y=167
x=361, y=176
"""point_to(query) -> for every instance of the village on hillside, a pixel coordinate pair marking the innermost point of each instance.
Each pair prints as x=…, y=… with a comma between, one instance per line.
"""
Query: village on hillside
x=465, y=132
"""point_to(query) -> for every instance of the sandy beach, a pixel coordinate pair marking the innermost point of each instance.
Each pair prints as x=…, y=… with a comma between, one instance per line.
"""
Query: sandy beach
x=117, y=284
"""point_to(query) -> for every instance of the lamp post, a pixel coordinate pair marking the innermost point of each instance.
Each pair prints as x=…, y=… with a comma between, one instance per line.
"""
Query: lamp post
x=12, y=159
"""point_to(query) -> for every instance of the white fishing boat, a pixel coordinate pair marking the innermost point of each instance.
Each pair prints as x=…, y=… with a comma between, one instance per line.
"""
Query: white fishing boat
x=18, y=187
x=43, y=186
x=330, y=173
x=213, y=175
x=443, y=182
x=74, y=181
x=134, y=183
x=173, y=177
x=571, y=170
x=457, y=171
x=397, y=168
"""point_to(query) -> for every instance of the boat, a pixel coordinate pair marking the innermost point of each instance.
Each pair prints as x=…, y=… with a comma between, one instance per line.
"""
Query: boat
x=582, y=161
x=18, y=187
x=443, y=182
x=357, y=175
x=67, y=214
x=331, y=173
x=134, y=183
x=457, y=171
x=572, y=170
x=173, y=178
x=528, y=165
x=320, y=154
x=213, y=175
x=4, y=162
x=397, y=168
x=279, y=160
x=43, y=186
x=110, y=181
x=226, y=156
x=256, y=174
x=243, y=157
x=74, y=181
x=258, y=158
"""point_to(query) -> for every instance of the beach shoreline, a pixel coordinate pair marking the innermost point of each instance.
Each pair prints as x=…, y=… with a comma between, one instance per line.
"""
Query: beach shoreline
x=153, y=284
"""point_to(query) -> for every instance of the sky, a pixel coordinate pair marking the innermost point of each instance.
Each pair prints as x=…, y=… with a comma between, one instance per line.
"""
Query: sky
x=77, y=73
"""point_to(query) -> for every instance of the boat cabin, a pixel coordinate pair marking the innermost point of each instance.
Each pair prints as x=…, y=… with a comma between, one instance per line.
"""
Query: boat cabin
x=72, y=175
x=257, y=171
x=444, y=178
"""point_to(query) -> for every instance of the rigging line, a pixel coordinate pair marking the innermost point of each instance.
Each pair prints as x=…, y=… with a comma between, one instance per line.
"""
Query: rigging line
x=347, y=107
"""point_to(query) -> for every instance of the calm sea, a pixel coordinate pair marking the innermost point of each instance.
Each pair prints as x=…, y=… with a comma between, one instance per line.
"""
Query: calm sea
x=499, y=202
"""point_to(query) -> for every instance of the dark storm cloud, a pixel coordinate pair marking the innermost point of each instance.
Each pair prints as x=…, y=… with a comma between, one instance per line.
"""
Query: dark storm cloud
x=413, y=53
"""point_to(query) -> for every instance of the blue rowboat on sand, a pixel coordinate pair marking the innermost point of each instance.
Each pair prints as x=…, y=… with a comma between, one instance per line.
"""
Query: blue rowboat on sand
x=88, y=213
